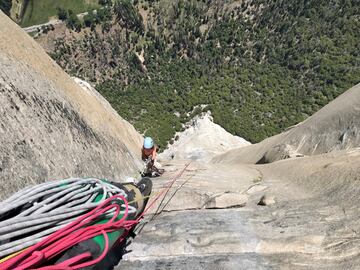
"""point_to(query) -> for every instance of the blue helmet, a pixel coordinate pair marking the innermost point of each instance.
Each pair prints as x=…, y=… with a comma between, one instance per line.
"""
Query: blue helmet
x=148, y=143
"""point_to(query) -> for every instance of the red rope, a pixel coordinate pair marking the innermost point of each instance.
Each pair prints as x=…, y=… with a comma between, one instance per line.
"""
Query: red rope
x=78, y=231
x=165, y=190
x=69, y=236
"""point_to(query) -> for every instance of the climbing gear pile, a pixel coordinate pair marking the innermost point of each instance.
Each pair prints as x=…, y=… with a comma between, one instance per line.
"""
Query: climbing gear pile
x=68, y=224
x=150, y=170
x=74, y=223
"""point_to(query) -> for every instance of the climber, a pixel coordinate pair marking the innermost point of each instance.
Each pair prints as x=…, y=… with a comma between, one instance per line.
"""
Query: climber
x=148, y=155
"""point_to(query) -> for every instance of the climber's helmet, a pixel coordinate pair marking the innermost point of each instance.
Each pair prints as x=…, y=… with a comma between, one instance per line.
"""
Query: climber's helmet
x=148, y=143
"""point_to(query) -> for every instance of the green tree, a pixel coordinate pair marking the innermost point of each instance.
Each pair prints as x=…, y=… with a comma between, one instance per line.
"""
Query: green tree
x=73, y=21
x=128, y=16
x=89, y=19
x=5, y=6
x=105, y=2
x=62, y=14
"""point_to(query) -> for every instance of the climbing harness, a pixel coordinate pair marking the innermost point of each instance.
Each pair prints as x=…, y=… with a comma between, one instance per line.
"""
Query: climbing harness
x=150, y=170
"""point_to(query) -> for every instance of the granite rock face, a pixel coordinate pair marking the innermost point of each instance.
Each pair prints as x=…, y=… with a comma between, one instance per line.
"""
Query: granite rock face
x=51, y=128
x=211, y=218
x=202, y=139
x=308, y=218
x=333, y=128
x=289, y=202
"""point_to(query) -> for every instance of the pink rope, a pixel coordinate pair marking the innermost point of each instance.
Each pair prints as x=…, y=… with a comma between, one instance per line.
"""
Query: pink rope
x=77, y=232
x=69, y=236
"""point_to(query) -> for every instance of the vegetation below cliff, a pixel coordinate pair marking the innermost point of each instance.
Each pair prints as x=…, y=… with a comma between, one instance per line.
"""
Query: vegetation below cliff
x=259, y=66
x=5, y=6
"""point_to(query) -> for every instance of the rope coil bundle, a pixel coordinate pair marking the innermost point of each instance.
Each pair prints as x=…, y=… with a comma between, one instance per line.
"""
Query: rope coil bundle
x=72, y=220
x=82, y=229
x=33, y=213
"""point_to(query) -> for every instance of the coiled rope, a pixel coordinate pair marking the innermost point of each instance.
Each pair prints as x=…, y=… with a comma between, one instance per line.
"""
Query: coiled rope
x=49, y=207
x=78, y=231
x=82, y=229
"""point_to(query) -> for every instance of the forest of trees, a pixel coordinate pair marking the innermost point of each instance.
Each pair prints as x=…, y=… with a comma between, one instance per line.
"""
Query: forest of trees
x=5, y=6
x=259, y=66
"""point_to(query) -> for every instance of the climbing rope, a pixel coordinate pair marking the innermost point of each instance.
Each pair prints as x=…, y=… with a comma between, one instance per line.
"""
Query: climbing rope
x=163, y=204
x=48, y=207
x=163, y=194
x=78, y=231
x=67, y=212
x=165, y=190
